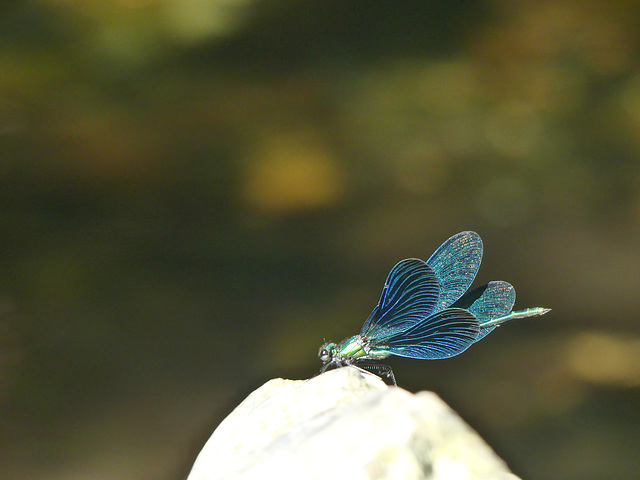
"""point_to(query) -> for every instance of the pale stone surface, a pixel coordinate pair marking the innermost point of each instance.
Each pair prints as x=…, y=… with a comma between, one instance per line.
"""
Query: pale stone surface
x=345, y=424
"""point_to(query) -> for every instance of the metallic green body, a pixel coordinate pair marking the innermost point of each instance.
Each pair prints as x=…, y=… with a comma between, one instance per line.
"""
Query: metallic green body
x=353, y=347
x=356, y=347
x=529, y=312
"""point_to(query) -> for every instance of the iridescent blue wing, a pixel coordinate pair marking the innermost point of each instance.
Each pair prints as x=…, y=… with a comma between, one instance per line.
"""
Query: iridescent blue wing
x=455, y=264
x=443, y=334
x=488, y=302
x=408, y=297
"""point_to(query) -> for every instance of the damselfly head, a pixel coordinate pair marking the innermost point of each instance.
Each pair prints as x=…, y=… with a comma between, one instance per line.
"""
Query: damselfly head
x=326, y=352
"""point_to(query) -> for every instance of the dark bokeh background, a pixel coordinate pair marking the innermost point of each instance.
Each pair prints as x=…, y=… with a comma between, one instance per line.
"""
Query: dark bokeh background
x=196, y=192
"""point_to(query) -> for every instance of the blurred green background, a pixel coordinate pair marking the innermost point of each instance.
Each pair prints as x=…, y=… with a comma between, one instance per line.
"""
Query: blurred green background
x=196, y=192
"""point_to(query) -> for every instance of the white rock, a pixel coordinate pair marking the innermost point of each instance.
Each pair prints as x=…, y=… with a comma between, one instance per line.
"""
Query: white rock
x=345, y=424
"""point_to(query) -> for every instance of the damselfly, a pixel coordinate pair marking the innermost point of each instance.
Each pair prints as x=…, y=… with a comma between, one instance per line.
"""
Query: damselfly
x=424, y=312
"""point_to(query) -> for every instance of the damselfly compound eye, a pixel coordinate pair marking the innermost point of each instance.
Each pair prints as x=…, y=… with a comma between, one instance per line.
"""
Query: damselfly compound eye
x=324, y=355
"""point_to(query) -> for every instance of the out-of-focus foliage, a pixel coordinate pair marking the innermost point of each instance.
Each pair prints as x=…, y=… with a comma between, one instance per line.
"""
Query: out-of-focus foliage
x=196, y=192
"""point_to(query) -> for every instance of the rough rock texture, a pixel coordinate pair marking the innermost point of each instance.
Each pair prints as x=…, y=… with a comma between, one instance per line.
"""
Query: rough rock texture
x=345, y=424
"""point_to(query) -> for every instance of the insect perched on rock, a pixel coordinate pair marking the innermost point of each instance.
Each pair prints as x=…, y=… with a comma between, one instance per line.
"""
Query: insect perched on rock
x=424, y=312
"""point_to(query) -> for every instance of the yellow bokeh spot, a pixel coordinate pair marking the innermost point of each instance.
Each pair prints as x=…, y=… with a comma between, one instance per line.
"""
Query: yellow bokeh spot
x=289, y=173
x=192, y=21
x=597, y=357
